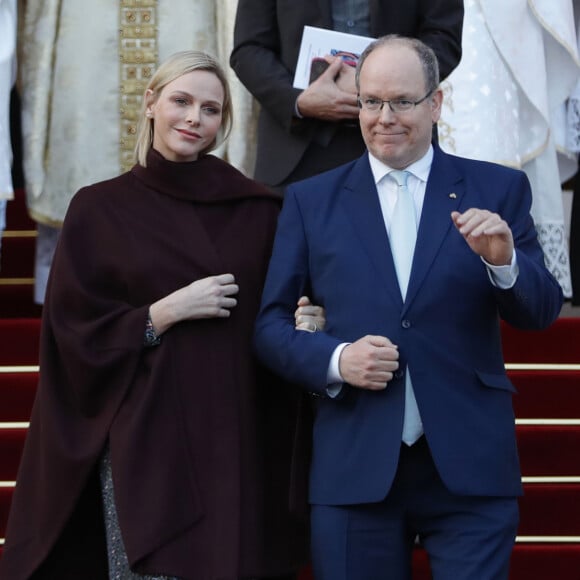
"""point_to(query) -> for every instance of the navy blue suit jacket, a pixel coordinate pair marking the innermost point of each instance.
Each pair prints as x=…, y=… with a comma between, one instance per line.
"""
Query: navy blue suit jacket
x=332, y=245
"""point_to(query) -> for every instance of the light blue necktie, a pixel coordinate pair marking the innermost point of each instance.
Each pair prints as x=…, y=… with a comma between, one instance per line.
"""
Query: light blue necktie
x=403, y=230
x=402, y=237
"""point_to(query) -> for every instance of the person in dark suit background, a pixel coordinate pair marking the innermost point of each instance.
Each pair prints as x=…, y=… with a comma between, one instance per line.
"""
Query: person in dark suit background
x=414, y=431
x=301, y=133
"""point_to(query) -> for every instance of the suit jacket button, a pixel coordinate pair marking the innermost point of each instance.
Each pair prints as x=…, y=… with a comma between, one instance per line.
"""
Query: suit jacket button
x=399, y=374
x=406, y=324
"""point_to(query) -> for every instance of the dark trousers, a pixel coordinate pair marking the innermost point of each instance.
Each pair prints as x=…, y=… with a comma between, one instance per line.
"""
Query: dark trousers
x=466, y=537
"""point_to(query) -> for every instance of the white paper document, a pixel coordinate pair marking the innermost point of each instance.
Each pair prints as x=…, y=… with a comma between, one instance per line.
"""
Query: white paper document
x=319, y=42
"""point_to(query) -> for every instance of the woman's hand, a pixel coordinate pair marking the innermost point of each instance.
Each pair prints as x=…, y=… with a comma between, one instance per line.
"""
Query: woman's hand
x=210, y=297
x=309, y=317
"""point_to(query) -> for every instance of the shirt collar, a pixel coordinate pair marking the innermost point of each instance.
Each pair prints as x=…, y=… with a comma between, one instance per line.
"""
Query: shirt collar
x=420, y=168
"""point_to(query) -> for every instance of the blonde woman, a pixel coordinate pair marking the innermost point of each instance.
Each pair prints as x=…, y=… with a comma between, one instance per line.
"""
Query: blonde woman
x=149, y=395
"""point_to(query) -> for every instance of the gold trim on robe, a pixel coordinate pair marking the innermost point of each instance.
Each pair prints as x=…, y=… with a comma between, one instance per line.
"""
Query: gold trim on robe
x=138, y=58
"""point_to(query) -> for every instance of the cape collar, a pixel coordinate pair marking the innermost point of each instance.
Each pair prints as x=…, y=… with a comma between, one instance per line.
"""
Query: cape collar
x=206, y=180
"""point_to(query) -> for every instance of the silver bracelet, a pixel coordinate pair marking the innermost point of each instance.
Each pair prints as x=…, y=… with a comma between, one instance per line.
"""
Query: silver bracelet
x=151, y=338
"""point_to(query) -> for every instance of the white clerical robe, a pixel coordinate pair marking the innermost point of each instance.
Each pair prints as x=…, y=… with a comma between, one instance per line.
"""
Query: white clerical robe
x=505, y=103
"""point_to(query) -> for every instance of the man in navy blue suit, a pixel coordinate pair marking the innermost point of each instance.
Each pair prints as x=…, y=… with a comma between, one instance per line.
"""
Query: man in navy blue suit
x=414, y=432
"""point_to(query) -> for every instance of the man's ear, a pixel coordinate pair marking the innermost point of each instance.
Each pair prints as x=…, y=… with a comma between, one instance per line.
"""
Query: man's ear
x=436, y=103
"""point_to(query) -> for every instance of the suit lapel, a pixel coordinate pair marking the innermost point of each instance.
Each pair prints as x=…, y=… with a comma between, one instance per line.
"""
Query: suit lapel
x=444, y=193
x=361, y=203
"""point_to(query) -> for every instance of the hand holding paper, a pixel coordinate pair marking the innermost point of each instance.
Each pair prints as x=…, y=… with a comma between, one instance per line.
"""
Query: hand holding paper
x=320, y=42
x=323, y=99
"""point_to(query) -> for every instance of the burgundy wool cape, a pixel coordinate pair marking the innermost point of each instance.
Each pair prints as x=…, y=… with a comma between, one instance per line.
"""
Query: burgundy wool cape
x=200, y=437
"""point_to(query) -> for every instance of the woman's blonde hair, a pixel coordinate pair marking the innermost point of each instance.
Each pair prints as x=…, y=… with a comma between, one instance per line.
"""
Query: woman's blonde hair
x=175, y=66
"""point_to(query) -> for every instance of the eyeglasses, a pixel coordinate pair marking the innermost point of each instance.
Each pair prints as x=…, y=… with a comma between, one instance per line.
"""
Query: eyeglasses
x=396, y=105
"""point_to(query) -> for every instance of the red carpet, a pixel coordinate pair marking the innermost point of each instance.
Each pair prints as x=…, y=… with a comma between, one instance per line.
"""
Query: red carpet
x=17, y=262
x=547, y=408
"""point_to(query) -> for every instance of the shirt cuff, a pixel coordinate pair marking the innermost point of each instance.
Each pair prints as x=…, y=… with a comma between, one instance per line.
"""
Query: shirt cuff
x=333, y=379
x=503, y=277
x=297, y=112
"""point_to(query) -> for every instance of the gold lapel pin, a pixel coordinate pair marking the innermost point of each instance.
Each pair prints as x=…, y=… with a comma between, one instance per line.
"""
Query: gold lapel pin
x=452, y=195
